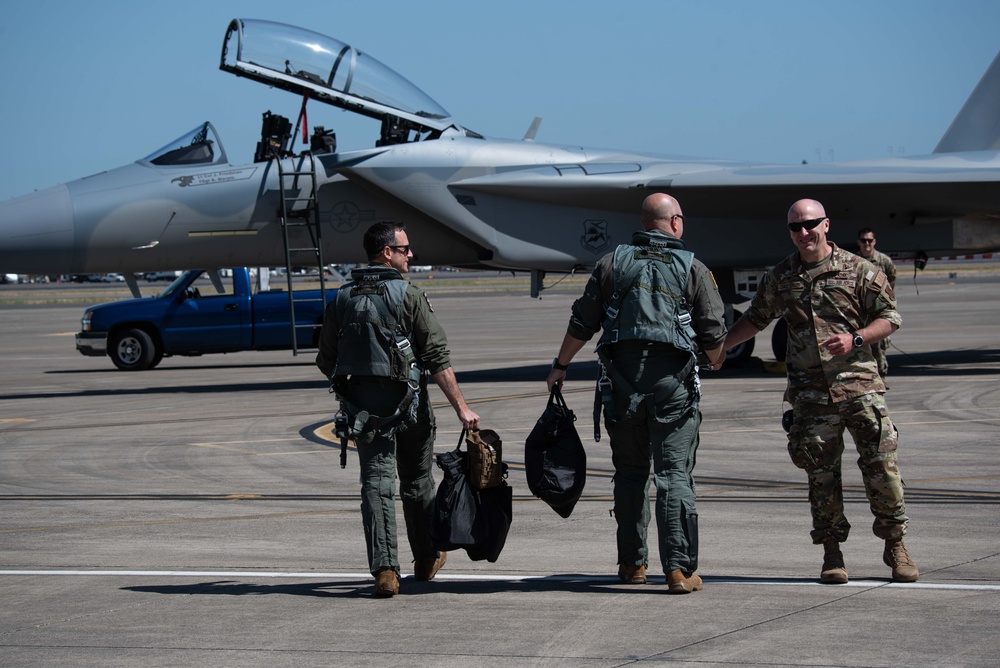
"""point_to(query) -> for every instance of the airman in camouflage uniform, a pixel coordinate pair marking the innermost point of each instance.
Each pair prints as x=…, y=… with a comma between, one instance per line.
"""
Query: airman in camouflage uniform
x=866, y=249
x=836, y=305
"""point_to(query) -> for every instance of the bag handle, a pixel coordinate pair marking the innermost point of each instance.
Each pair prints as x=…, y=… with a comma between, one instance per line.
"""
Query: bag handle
x=556, y=398
x=461, y=437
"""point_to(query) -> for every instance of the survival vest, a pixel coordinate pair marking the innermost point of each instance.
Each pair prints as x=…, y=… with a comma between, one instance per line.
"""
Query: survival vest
x=373, y=343
x=648, y=302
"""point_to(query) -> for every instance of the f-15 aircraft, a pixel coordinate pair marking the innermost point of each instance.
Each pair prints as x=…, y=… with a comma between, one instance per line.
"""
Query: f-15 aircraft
x=471, y=200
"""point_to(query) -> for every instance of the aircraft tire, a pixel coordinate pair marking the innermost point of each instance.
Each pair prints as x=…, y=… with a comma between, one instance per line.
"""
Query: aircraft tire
x=779, y=339
x=739, y=355
x=133, y=350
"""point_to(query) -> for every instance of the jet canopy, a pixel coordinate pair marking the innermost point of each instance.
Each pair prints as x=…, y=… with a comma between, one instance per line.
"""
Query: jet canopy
x=200, y=146
x=325, y=69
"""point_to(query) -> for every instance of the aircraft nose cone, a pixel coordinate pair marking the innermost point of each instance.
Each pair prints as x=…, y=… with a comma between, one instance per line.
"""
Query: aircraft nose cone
x=36, y=232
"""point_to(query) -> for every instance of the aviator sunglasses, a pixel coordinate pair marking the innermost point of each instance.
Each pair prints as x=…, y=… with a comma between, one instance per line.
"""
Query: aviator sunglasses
x=808, y=224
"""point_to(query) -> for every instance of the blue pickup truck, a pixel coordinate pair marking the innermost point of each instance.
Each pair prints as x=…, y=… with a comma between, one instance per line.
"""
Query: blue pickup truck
x=201, y=312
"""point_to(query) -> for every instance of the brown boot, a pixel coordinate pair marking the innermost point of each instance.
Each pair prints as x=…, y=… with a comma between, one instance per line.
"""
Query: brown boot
x=834, y=571
x=679, y=582
x=629, y=574
x=896, y=558
x=426, y=569
x=386, y=583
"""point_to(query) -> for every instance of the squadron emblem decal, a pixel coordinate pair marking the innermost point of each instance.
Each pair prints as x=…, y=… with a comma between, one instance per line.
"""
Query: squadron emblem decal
x=211, y=178
x=595, y=236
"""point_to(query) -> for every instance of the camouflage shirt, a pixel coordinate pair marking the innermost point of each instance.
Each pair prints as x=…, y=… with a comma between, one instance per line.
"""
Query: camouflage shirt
x=885, y=263
x=842, y=293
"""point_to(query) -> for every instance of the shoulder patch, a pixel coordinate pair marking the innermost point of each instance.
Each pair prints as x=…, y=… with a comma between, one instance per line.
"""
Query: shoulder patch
x=712, y=276
x=428, y=300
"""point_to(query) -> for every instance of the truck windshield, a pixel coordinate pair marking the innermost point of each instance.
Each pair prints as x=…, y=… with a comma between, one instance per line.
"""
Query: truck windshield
x=180, y=280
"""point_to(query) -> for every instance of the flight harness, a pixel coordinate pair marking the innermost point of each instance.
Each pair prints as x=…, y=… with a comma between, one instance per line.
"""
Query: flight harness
x=351, y=421
x=610, y=377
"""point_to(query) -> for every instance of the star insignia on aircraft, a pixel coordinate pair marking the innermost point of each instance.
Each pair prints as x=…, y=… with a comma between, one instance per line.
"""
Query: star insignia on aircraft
x=346, y=216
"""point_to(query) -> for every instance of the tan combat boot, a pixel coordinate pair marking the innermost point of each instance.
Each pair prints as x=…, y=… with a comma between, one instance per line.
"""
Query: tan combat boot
x=896, y=558
x=630, y=574
x=679, y=582
x=426, y=569
x=386, y=583
x=834, y=571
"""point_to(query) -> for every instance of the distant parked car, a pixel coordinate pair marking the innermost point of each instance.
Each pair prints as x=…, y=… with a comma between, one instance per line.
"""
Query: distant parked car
x=161, y=275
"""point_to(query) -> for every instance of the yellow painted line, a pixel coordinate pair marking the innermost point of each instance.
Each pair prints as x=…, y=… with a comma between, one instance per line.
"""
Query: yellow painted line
x=104, y=525
x=226, y=445
x=17, y=420
x=242, y=451
x=261, y=440
x=325, y=451
x=61, y=334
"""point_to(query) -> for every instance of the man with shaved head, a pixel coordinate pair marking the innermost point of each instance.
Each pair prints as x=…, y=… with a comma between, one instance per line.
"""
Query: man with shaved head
x=836, y=306
x=661, y=311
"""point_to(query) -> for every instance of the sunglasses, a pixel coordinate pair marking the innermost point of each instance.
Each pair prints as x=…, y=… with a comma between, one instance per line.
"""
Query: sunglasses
x=401, y=249
x=808, y=224
x=866, y=241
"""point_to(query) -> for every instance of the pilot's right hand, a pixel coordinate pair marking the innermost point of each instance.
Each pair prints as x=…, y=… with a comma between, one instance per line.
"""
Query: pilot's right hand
x=470, y=420
x=555, y=379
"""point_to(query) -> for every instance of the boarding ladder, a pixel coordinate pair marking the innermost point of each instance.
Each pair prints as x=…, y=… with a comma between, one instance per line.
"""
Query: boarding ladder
x=300, y=209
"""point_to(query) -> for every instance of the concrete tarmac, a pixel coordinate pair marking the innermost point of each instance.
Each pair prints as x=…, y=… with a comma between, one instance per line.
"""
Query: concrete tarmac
x=196, y=514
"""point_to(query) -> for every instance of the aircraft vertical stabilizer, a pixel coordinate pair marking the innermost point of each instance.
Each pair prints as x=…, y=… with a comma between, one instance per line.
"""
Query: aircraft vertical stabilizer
x=977, y=126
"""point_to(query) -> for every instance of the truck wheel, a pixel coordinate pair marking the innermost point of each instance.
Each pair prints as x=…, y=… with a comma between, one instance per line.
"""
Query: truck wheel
x=739, y=355
x=133, y=350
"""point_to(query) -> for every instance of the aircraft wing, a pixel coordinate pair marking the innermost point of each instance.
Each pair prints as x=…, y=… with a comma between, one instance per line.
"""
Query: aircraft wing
x=956, y=184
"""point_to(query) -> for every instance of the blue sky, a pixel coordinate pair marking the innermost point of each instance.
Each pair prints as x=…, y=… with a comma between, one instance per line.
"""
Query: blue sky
x=93, y=85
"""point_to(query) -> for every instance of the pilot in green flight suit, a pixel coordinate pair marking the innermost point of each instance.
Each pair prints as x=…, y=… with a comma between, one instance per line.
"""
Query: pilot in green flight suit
x=376, y=329
x=659, y=309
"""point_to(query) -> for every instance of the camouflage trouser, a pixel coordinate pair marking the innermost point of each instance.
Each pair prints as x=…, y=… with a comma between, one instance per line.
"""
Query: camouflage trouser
x=409, y=453
x=816, y=445
x=666, y=434
x=878, y=352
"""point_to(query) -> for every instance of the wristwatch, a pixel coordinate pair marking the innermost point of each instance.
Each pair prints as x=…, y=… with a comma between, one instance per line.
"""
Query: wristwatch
x=858, y=340
x=560, y=367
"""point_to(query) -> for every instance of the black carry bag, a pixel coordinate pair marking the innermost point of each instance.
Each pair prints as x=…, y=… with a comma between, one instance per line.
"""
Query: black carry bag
x=476, y=520
x=555, y=462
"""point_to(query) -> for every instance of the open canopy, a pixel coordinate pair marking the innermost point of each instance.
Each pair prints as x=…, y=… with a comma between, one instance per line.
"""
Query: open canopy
x=307, y=63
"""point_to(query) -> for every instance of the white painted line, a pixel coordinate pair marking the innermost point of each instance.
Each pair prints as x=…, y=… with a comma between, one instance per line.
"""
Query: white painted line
x=611, y=579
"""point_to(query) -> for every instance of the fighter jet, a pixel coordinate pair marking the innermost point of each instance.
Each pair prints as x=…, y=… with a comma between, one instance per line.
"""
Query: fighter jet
x=472, y=200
